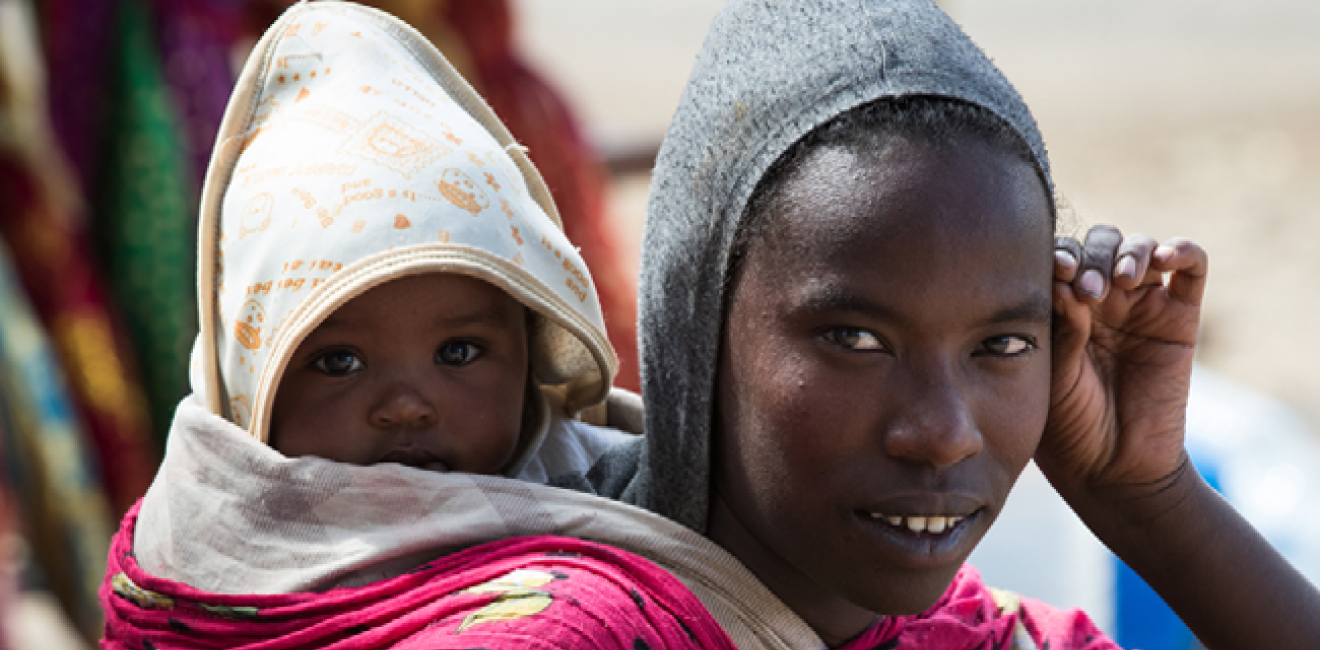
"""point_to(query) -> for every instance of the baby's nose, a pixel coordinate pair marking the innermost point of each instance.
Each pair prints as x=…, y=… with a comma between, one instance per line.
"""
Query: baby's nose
x=403, y=406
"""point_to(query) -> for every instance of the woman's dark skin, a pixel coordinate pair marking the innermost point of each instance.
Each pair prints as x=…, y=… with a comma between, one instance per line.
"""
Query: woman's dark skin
x=889, y=351
x=886, y=352
x=1113, y=445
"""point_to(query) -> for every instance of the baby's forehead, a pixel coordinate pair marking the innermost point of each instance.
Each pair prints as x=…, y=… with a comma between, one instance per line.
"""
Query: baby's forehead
x=446, y=300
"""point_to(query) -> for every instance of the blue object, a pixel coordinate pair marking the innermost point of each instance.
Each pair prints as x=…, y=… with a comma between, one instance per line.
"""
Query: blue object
x=1142, y=619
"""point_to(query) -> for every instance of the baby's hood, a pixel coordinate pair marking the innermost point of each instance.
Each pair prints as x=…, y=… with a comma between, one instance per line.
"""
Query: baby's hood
x=769, y=73
x=351, y=154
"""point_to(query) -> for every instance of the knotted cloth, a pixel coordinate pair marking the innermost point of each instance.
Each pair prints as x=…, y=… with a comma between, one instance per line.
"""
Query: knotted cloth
x=526, y=592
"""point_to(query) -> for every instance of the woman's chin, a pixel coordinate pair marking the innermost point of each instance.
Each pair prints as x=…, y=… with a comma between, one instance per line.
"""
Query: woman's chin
x=905, y=596
x=895, y=590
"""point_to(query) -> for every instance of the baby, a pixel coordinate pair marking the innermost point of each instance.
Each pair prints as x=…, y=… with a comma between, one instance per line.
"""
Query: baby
x=383, y=279
x=394, y=328
x=391, y=283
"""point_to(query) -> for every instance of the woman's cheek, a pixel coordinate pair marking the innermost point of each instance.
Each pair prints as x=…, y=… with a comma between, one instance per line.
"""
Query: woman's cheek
x=1018, y=408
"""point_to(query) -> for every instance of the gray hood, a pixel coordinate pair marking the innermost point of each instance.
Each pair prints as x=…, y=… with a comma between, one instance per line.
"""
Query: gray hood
x=769, y=73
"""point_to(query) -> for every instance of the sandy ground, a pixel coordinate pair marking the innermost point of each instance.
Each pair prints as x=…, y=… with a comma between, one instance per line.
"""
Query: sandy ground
x=1199, y=119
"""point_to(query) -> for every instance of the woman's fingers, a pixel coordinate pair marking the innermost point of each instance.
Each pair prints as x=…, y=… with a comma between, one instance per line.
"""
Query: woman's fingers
x=1067, y=252
x=1097, y=262
x=1133, y=261
x=1188, y=265
x=1108, y=259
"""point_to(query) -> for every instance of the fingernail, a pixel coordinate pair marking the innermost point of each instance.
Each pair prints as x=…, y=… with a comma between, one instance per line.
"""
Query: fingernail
x=1092, y=283
x=1164, y=252
x=1126, y=266
x=1065, y=259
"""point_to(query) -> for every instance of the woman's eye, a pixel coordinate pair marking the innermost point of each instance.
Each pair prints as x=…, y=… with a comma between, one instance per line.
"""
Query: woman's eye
x=457, y=353
x=338, y=363
x=854, y=338
x=1007, y=346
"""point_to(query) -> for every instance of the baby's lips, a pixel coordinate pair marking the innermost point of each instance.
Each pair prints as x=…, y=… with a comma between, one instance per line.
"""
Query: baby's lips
x=416, y=457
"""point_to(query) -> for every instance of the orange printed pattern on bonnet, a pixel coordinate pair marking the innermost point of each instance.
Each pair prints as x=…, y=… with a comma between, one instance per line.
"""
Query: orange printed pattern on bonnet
x=353, y=149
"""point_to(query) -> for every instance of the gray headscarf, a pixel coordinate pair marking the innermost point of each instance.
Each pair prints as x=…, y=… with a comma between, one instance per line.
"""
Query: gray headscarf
x=770, y=72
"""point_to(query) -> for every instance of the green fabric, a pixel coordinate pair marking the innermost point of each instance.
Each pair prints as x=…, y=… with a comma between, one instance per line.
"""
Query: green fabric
x=66, y=517
x=145, y=221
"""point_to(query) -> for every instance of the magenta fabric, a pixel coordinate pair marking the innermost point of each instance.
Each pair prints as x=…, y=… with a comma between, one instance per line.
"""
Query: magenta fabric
x=540, y=592
x=543, y=592
x=969, y=617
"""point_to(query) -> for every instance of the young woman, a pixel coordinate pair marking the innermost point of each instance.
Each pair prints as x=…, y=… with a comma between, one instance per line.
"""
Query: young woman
x=857, y=331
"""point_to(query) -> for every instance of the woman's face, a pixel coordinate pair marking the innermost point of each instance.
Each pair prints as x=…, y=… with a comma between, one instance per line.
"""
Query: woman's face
x=884, y=374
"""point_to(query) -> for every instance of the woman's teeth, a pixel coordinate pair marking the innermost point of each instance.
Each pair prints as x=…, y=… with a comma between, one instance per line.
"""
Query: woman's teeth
x=932, y=525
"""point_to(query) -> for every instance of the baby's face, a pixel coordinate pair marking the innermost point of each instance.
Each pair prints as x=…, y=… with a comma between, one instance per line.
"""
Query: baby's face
x=428, y=371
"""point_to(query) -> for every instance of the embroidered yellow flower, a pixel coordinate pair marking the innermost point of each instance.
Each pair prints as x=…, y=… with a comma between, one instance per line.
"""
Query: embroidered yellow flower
x=518, y=597
x=126, y=589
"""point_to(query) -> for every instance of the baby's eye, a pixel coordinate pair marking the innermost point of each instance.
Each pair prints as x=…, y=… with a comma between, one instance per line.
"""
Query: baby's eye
x=1006, y=346
x=854, y=338
x=338, y=363
x=457, y=353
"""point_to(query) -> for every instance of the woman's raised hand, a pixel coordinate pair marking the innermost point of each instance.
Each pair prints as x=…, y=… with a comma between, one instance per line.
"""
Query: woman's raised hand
x=1126, y=312
x=1126, y=316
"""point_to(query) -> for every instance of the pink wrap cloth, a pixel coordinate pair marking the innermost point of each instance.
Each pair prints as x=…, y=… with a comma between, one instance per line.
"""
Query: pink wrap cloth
x=541, y=592
x=530, y=592
x=972, y=616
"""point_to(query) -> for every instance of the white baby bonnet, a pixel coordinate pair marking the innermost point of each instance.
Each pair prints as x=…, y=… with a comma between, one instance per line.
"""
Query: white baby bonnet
x=351, y=153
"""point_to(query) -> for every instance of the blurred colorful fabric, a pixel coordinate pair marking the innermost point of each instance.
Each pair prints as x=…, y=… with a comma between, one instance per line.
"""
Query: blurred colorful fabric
x=144, y=216
x=64, y=510
x=8, y=543
x=196, y=40
x=53, y=265
x=99, y=175
x=97, y=180
x=44, y=225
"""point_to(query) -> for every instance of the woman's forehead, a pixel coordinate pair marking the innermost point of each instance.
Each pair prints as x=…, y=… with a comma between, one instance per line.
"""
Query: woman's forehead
x=914, y=193
x=930, y=236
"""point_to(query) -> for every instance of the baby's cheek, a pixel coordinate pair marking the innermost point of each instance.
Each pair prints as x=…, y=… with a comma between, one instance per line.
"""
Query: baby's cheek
x=496, y=422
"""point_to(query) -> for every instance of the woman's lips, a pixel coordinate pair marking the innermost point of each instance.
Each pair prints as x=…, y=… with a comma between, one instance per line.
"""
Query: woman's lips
x=926, y=541
x=933, y=524
x=923, y=531
x=415, y=457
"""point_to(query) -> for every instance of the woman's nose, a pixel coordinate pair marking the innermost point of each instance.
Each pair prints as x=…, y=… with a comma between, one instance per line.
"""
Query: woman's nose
x=403, y=406
x=936, y=424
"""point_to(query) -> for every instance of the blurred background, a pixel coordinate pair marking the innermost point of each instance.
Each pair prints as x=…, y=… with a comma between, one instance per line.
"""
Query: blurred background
x=1199, y=119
